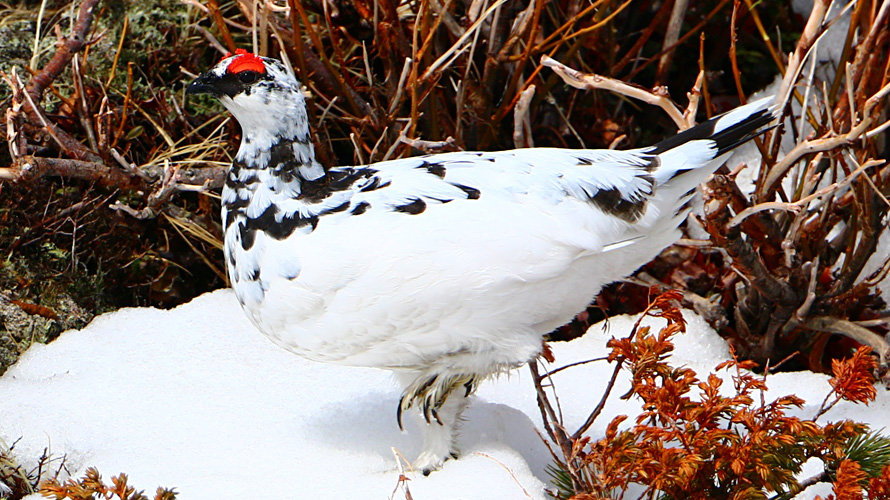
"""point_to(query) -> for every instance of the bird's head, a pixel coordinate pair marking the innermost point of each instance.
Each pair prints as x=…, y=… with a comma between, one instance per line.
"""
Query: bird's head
x=262, y=95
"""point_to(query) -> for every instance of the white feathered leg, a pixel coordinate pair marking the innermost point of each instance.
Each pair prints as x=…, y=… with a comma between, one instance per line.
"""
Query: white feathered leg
x=440, y=401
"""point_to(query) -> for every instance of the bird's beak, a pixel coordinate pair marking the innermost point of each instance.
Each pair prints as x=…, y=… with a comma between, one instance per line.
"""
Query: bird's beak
x=204, y=84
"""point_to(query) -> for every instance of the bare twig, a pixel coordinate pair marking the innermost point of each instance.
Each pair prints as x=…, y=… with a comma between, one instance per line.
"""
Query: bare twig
x=553, y=425
x=671, y=34
x=38, y=84
x=459, y=46
x=28, y=168
x=804, y=310
x=403, y=479
x=83, y=111
x=694, y=95
x=765, y=35
x=522, y=127
x=798, y=205
x=733, y=60
x=849, y=329
x=502, y=464
x=419, y=143
x=811, y=32
x=777, y=172
x=128, y=167
x=400, y=88
x=571, y=365
x=577, y=79
x=427, y=145
x=213, y=7
x=606, y=393
x=15, y=138
x=212, y=39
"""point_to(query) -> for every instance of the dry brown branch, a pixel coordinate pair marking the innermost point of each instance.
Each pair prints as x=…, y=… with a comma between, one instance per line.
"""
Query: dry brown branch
x=635, y=50
x=733, y=38
x=823, y=144
x=128, y=167
x=212, y=39
x=558, y=34
x=764, y=35
x=600, y=23
x=426, y=146
x=65, y=51
x=671, y=34
x=83, y=110
x=173, y=180
x=213, y=7
x=798, y=205
x=29, y=168
x=804, y=310
x=38, y=84
x=749, y=264
x=522, y=127
x=453, y=26
x=694, y=95
x=848, y=329
x=325, y=72
x=37, y=112
x=555, y=431
x=811, y=32
x=16, y=140
x=460, y=45
x=695, y=29
x=394, y=104
x=658, y=97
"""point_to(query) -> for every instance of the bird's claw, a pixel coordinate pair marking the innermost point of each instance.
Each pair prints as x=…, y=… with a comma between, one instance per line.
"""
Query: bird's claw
x=430, y=393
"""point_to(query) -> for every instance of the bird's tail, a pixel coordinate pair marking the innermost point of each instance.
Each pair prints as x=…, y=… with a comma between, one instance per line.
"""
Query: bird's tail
x=688, y=158
x=695, y=153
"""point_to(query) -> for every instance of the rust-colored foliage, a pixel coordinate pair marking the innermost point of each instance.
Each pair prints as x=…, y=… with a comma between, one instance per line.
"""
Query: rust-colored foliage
x=847, y=485
x=879, y=486
x=91, y=486
x=696, y=439
x=853, y=377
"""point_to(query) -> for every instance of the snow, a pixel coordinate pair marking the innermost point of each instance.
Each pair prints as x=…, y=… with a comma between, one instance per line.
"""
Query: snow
x=195, y=398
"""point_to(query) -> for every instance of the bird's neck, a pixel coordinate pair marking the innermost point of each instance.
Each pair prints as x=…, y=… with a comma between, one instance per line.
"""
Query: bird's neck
x=275, y=163
x=276, y=146
x=289, y=156
x=277, y=137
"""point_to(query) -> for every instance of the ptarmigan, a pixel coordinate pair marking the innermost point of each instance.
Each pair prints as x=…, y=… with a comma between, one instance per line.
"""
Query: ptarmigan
x=445, y=268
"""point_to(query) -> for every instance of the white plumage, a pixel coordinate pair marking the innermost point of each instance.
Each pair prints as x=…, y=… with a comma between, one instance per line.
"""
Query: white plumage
x=444, y=268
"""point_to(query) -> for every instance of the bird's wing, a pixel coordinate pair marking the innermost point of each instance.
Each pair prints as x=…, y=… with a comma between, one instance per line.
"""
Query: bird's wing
x=616, y=182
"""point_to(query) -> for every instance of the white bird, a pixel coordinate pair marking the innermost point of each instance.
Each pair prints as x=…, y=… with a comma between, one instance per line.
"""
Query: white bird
x=446, y=268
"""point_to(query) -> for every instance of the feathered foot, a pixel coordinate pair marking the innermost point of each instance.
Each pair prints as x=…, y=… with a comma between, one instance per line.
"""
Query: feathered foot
x=440, y=399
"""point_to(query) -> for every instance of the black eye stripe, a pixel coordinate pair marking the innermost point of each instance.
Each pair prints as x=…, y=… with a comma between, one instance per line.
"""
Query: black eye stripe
x=232, y=84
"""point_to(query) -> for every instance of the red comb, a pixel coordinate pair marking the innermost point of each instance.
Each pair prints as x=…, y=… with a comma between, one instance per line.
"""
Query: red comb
x=245, y=61
x=238, y=52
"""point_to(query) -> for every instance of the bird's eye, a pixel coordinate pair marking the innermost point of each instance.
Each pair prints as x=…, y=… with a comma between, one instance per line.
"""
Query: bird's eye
x=248, y=76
